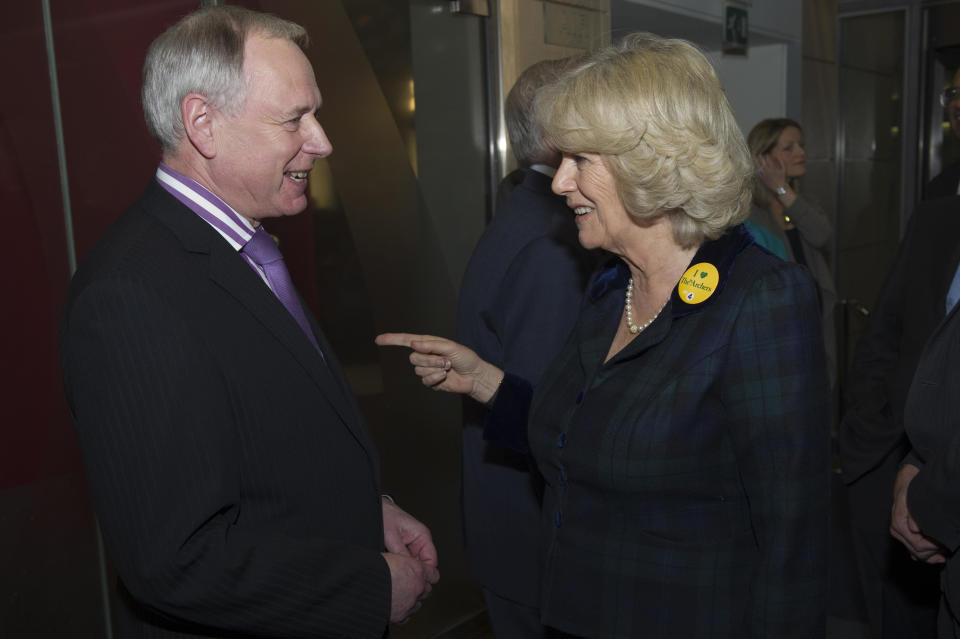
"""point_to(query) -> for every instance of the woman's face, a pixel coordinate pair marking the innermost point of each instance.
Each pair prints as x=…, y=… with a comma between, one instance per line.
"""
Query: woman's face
x=789, y=149
x=591, y=192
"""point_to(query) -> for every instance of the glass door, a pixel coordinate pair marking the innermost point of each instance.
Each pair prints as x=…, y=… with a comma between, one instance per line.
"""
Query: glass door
x=871, y=53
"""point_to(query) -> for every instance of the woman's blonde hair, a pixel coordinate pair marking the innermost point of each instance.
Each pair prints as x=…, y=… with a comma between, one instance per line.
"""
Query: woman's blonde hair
x=655, y=110
x=761, y=140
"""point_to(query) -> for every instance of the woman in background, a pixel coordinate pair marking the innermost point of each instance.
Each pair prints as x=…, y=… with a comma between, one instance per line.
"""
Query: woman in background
x=788, y=224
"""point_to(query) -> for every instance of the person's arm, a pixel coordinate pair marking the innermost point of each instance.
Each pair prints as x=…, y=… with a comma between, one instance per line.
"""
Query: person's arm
x=933, y=498
x=162, y=445
x=927, y=490
x=871, y=428
x=810, y=219
x=537, y=305
x=532, y=314
x=445, y=365
x=775, y=388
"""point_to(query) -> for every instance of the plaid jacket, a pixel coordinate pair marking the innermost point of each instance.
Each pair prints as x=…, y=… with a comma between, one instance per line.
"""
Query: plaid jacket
x=687, y=478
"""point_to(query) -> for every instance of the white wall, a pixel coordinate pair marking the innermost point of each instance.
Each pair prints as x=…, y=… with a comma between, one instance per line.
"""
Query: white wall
x=776, y=18
x=764, y=83
x=756, y=84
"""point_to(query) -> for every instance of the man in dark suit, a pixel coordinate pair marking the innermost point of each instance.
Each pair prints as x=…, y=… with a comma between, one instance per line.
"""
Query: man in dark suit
x=900, y=594
x=927, y=491
x=519, y=299
x=235, y=482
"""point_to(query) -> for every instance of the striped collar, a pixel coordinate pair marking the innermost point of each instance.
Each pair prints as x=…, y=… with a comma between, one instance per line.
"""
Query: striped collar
x=235, y=229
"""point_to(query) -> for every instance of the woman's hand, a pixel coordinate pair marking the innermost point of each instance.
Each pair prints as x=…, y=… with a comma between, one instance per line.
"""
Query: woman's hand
x=448, y=366
x=774, y=176
x=772, y=172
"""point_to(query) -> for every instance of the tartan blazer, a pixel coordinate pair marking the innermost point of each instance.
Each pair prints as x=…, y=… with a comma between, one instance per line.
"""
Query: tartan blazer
x=230, y=468
x=687, y=478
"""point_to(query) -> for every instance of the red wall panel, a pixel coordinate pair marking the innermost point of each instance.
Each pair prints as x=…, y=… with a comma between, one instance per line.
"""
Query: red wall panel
x=101, y=45
x=37, y=439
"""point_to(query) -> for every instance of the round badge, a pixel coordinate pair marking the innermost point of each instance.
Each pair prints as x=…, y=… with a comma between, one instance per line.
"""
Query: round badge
x=698, y=283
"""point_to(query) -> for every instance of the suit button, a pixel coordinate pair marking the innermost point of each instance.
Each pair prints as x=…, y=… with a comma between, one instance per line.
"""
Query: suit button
x=562, y=477
x=559, y=518
x=579, y=397
x=562, y=440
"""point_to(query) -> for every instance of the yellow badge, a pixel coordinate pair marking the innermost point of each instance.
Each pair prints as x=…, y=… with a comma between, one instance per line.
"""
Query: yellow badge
x=698, y=283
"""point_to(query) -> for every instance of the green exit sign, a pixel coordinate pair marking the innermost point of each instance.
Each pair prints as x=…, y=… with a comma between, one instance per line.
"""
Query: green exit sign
x=736, y=28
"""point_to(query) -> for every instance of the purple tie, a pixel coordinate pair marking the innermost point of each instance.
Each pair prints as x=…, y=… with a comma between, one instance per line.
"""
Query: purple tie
x=263, y=250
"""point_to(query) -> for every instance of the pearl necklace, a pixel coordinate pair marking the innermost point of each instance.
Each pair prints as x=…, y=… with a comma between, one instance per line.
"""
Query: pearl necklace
x=628, y=307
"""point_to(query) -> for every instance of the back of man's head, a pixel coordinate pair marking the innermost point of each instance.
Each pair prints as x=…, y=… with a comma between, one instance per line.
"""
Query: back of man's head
x=203, y=53
x=526, y=139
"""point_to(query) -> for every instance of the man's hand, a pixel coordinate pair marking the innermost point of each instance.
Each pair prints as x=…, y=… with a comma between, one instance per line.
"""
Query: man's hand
x=904, y=528
x=410, y=583
x=404, y=535
x=412, y=559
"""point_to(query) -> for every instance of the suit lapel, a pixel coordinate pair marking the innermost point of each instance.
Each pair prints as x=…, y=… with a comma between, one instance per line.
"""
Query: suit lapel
x=234, y=275
x=229, y=271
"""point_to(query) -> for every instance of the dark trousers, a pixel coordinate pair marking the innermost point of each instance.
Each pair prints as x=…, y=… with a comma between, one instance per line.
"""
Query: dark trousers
x=901, y=595
x=512, y=620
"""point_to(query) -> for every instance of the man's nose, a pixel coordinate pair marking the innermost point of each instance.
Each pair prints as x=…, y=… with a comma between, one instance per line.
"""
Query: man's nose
x=316, y=141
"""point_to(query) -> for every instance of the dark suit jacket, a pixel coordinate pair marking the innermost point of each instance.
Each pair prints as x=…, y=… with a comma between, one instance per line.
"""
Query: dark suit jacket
x=909, y=308
x=687, y=476
x=233, y=477
x=518, y=301
x=945, y=184
x=933, y=425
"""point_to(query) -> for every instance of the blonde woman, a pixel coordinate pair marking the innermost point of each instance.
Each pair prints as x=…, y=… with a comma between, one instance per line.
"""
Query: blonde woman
x=783, y=221
x=682, y=431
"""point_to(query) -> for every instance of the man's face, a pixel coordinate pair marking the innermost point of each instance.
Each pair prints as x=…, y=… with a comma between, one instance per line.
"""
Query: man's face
x=953, y=106
x=265, y=151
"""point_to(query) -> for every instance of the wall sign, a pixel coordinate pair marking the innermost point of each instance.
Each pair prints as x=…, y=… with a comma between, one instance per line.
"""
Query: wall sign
x=736, y=29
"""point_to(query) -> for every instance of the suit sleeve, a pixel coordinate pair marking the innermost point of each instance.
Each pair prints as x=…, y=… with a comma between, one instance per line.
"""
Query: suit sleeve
x=531, y=316
x=871, y=428
x=155, y=419
x=933, y=498
x=933, y=425
x=776, y=388
x=944, y=184
x=537, y=305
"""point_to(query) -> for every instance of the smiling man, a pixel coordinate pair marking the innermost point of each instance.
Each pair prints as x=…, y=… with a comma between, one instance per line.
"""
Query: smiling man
x=234, y=479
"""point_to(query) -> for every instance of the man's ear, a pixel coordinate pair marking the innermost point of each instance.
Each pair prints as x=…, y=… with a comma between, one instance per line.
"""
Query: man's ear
x=198, y=114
